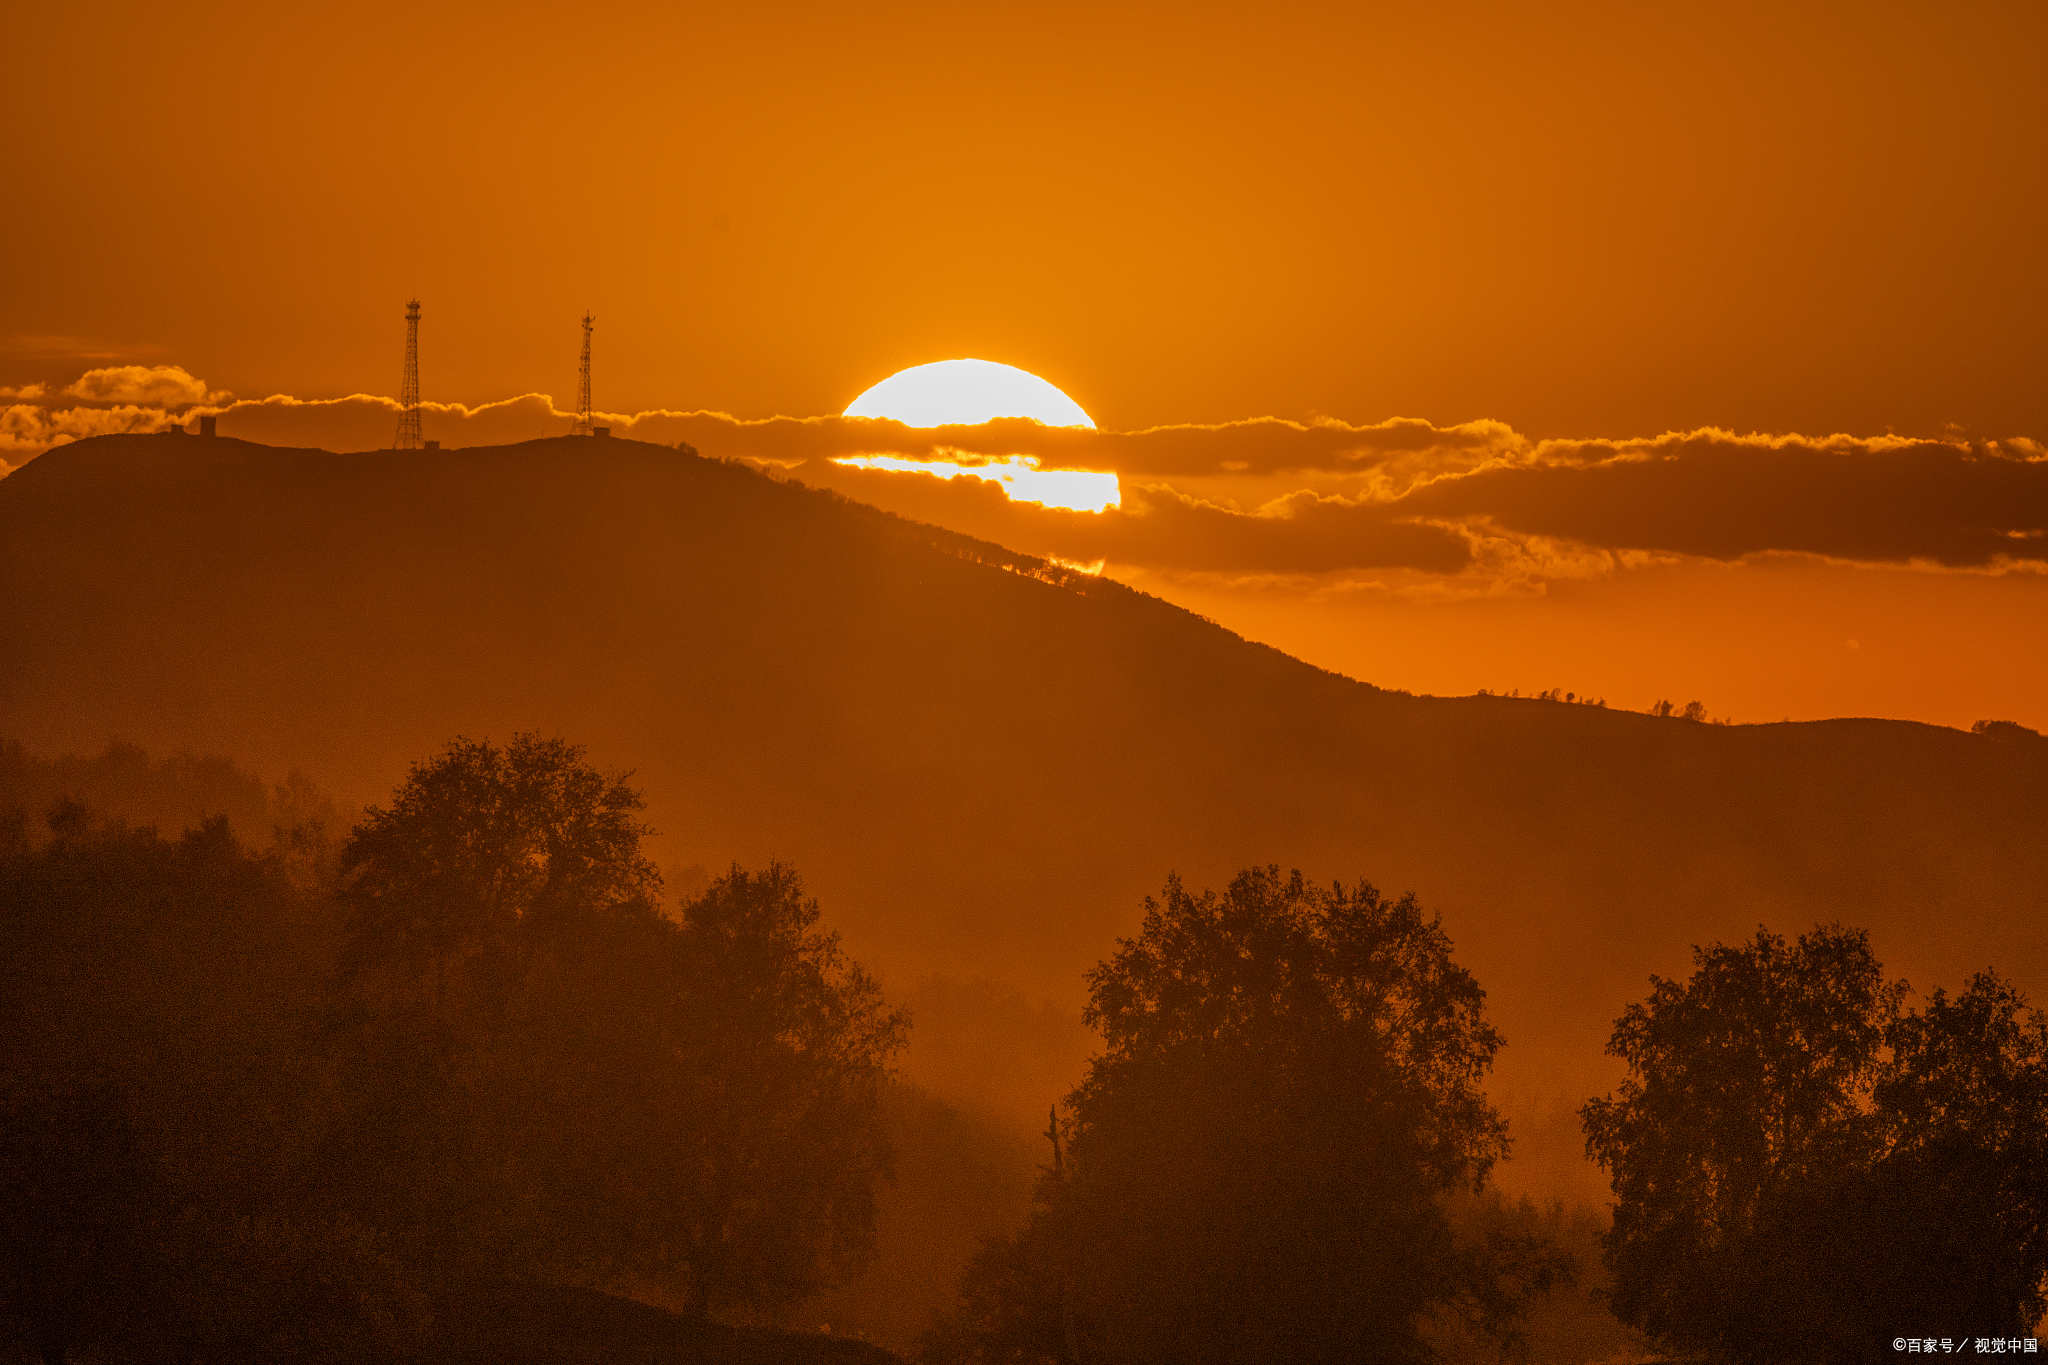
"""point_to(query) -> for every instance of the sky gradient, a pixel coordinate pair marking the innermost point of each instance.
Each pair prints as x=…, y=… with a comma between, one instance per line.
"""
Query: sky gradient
x=1579, y=219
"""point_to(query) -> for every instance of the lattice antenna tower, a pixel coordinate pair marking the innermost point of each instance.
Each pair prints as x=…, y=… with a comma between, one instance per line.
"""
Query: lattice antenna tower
x=409, y=394
x=583, y=427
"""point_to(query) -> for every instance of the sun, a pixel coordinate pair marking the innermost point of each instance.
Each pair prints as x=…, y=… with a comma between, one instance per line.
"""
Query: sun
x=967, y=393
x=949, y=393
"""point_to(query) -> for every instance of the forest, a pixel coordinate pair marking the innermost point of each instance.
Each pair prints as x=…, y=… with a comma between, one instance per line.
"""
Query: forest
x=465, y=1080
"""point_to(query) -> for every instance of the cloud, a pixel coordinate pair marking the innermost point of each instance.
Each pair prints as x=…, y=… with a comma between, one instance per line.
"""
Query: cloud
x=1081, y=490
x=110, y=401
x=1161, y=527
x=370, y=422
x=1716, y=495
x=164, y=386
x=356, y=422
x=1157, y=524
x=1471, y=508
x=1395, y=454
x=27, y=430
x=1387, y=457
x=1480, y=500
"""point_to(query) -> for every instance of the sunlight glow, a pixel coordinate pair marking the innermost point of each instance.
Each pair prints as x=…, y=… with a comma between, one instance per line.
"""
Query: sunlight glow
x=1077, y=490
x=967, y=393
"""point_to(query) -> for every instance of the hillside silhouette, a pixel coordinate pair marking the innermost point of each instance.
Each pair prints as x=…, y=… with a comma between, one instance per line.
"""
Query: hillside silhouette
x=982, y=762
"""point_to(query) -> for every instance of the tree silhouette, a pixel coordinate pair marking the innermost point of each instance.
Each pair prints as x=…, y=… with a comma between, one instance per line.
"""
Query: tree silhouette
x=1257, y=1164
x=156, y=1097
x=461, y=900
x=789, y=1043
x=82, y=1208
x=551, y=1079
x=1801, y=1167
x=1964, y=1105
x=477, y=841
x=247, y=1113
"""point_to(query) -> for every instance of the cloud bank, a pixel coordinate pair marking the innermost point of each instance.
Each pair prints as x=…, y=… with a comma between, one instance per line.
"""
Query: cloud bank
x=1266, y=496
x=164, y=386
x=1716, y=495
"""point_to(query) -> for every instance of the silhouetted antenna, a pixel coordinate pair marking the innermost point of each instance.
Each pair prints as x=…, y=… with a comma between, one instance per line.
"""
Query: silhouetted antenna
x=583, y=427
x=409, y=394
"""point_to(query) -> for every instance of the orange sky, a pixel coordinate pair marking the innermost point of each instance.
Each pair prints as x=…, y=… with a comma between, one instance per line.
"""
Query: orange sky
x=1583, y=223
x=1577, y=219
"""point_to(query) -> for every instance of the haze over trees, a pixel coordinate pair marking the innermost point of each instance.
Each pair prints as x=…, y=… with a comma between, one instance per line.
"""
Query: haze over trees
x=1256, y=1168
x=177, y=791
x=560, y=1081
x=1804, y=1168
x=406, y=1095
x=245, y=1114
x=162, y=1089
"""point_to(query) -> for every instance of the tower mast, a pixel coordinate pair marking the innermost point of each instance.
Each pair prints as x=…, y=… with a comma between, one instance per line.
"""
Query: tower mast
x=409, y=394
x=583, y=427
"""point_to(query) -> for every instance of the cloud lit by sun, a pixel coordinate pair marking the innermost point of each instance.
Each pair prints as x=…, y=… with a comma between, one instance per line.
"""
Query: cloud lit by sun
x=1078, y=490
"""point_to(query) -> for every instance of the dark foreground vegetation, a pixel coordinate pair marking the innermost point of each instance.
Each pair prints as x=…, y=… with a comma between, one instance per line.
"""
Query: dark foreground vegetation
x=323, y=1106
x=1256, y=1168
x=1805, y=1169
x=462, y=1087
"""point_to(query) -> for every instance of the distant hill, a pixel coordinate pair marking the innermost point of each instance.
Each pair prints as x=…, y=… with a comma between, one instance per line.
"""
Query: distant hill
x=981, y=762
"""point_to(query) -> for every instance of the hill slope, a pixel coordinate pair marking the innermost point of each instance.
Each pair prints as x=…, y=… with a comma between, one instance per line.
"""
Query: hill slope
x=981, y=764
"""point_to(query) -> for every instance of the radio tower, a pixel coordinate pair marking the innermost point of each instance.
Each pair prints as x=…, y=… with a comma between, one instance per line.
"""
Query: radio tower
x=409, y=395
x=583, y=427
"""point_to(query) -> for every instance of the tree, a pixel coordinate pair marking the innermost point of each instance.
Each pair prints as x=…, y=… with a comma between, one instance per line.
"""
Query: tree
x=793, y=1039
x=154, y=1096
x=477, y=842
x=1964, y=1104
x=1257, y=1165
x=1801, y=1165
x=82, y=1207
x=554, y=1079
x=240, y=1120
x=461, y=899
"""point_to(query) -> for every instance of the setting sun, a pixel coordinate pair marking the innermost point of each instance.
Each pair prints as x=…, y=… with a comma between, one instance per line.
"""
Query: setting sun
x=967, y=393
